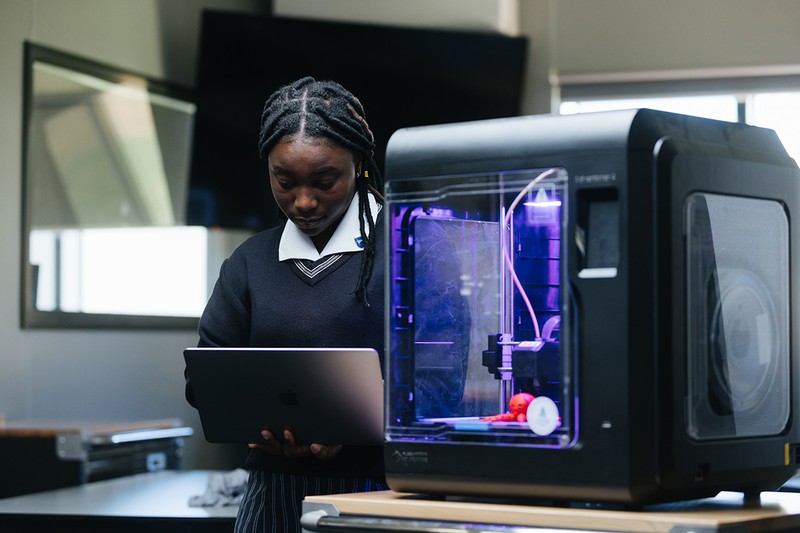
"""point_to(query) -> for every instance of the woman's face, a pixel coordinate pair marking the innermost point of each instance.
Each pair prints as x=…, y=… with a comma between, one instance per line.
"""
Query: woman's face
x=313, y=180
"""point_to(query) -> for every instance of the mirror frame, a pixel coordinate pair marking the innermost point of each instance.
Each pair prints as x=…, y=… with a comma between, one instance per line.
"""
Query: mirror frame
x=30, y=317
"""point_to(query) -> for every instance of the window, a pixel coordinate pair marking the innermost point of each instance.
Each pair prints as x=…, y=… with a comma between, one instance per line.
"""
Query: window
x=105, y=244
x=779, y=111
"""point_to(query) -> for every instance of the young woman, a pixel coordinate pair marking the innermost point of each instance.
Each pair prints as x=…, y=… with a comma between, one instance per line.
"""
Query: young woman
x=315, y=281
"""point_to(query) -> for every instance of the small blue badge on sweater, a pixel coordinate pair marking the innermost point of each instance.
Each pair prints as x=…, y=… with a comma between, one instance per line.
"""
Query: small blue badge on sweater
x=359, y=242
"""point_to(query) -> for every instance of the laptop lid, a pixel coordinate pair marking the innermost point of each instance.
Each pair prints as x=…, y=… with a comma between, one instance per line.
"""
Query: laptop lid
x=324, y=395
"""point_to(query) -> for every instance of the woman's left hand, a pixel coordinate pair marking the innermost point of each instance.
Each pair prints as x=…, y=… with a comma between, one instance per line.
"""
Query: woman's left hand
x=290, y=448
x=321, y=451
x=325, y=452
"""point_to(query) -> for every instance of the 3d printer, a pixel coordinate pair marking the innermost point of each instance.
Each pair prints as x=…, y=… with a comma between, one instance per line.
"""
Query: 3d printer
x=597, y=307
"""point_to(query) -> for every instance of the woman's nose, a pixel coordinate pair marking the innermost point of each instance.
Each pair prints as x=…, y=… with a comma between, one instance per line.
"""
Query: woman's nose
x=305, y=200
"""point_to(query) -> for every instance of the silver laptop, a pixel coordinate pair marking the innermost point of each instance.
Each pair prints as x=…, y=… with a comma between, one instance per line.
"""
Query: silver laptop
x=324, y=395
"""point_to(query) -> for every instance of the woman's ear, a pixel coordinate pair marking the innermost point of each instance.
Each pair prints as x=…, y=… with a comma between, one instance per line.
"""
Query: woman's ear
x=358, y=169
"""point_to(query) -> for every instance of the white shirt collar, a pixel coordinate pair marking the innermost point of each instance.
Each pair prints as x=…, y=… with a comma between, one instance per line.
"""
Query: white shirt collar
x=347, y=237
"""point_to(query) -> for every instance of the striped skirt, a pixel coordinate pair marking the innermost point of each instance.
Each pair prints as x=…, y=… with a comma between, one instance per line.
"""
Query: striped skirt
x=272, y=503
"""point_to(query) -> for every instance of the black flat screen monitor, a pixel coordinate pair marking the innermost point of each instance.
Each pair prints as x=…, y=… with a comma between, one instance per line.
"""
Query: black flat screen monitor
x=403, y=76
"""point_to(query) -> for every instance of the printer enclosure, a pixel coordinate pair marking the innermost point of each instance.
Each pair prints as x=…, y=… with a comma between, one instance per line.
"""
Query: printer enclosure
x=635, y=272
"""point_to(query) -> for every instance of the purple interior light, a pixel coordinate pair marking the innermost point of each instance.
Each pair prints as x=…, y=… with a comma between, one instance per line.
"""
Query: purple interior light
x=548, y=203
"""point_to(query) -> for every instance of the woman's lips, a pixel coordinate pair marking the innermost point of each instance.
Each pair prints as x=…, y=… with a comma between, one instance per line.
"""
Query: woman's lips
x=306, y=223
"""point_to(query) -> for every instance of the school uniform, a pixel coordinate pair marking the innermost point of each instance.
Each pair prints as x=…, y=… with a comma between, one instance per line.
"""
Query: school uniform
x=277, y=290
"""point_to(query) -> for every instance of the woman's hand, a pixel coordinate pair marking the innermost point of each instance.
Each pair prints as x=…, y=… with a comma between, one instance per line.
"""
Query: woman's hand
x=325, y=452
x=290, y=448
x=287, y=448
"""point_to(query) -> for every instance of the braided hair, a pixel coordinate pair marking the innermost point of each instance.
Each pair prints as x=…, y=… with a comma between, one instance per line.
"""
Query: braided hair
x=326, y=109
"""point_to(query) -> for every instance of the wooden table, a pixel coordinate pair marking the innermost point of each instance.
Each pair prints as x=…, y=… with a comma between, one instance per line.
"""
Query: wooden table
x=391, y=511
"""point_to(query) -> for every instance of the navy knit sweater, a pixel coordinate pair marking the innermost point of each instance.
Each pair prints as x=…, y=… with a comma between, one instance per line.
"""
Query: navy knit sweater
x=260, y=301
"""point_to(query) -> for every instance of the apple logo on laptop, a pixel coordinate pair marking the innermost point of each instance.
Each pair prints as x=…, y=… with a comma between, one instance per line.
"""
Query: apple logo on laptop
x=289, y=398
